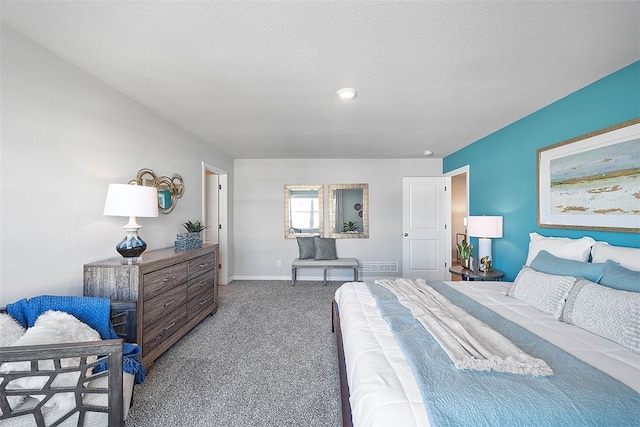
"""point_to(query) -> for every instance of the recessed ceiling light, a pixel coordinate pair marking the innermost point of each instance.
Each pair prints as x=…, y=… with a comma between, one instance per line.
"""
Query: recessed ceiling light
x=347, y=93
x=428, y=152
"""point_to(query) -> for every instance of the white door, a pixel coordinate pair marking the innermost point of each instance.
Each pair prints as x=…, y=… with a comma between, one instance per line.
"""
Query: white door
x=425, y=206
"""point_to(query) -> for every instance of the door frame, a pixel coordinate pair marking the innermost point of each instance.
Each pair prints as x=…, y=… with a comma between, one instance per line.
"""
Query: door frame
x=223, y=217
x=459, y=171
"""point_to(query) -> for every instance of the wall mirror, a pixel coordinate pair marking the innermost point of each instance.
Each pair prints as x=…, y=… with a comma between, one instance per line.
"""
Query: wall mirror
x=169, y=189
x=349, y=211
x=303, y=210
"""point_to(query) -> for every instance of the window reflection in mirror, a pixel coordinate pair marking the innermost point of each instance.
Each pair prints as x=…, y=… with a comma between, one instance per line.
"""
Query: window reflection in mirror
x=303, y=210
x=349, y=211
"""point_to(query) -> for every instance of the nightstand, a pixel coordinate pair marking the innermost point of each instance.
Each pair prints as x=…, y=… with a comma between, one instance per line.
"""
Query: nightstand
x=467, y=274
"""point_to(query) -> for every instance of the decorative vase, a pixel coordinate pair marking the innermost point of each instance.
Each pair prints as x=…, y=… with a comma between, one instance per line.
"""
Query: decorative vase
x=464, y=262
x=186, y=241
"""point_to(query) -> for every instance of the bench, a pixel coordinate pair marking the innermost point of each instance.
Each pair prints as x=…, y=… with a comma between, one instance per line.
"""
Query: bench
x=324, y=265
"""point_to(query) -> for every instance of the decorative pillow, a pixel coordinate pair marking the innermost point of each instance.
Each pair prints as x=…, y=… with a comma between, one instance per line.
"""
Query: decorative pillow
x=626, y=257
x=618, y=277
x=545, y=292
x=325, y=248
x=10, y=330
x=52, y=327
x=562, y=247
x=607, y=312
x=544, y=262
x=306, y=248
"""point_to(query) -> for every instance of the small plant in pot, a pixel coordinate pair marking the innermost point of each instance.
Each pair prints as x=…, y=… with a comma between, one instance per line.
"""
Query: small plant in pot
x=192, y=238
x=194, y=227
x=464, y=249
x=350, y=227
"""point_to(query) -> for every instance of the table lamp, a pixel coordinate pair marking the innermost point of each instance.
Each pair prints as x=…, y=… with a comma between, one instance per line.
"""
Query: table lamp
x=486, y=228
x=132, y=201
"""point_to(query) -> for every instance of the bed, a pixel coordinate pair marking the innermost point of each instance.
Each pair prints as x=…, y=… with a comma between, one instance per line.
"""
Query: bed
x=595, y=377
x=58, y=397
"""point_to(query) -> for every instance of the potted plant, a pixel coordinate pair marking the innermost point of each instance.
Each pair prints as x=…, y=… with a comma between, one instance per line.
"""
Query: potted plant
x=350, y=227
x=192, y=238
x=464, y=249
x=194, y=227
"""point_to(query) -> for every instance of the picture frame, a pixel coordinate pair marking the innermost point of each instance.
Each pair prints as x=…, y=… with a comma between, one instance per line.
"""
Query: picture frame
x=592, y=181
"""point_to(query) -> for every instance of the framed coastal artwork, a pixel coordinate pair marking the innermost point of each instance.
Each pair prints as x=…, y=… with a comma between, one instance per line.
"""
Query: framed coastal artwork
x=592, y=181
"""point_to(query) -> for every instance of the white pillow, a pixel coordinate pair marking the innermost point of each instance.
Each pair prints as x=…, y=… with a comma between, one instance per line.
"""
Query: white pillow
x=545, y=292
x=607, y=312
x=562, y=247
x=627, y=257
x=10, y=330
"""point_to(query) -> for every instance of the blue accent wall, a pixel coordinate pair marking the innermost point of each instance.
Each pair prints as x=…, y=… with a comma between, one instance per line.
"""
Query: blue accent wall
x=503, y=165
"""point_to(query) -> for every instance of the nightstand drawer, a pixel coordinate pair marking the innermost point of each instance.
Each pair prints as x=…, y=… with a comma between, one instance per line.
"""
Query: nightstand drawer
x=164, y=279
x=159, y=331
x=158, y=306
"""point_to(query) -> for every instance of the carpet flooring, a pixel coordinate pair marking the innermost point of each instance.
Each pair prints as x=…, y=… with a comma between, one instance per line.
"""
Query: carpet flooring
x=266, y=358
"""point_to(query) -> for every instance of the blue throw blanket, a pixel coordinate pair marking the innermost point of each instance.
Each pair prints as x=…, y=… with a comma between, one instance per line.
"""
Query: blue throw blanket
x=576, y=395
x=95, y=312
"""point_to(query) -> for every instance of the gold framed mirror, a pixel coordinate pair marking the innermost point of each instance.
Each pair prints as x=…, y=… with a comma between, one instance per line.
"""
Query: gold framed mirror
x=303, y=210
x=349, y=211
x=169, y=189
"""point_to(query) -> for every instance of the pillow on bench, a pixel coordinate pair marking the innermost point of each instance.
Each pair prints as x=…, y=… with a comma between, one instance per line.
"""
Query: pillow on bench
x=325, y=248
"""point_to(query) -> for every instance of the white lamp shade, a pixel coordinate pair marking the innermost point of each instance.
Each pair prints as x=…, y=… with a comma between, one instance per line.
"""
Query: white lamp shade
x=484, y=226
x=131, y=200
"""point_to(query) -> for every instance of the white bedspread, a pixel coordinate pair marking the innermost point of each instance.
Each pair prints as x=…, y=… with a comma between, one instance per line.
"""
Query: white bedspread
x=373, y=357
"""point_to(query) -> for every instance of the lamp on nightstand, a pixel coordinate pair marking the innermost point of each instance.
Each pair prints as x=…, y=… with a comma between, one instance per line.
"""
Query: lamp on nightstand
x=132, y=201
x=486, y=228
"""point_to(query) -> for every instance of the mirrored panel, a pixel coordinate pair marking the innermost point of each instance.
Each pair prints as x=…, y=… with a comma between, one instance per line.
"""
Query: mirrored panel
x=303, y=210
x=349, y=211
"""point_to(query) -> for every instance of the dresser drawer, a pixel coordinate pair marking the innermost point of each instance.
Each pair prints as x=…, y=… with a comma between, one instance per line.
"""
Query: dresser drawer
x=201, y=302
x=159, y=281
x=201, y=265
x=159, y=331
x=157, y=307
x=200, y=284
x=200, y=294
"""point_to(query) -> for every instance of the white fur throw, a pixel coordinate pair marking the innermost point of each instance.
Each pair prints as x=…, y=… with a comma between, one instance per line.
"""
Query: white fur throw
x=10, y=330
x=52, y=327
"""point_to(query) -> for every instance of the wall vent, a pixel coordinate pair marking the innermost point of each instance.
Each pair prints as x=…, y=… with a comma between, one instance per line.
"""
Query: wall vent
x=378, y=267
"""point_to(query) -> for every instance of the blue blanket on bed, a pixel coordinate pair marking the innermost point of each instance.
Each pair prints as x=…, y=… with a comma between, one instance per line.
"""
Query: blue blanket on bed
x=95, y=312
x=576, y=395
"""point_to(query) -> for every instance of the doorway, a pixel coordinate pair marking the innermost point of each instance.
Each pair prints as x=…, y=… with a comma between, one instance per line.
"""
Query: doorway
x=459, y=210
x=215, y=215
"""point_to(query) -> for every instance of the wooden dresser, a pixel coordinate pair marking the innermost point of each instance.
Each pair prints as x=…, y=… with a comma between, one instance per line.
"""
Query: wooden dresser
x=174, y=291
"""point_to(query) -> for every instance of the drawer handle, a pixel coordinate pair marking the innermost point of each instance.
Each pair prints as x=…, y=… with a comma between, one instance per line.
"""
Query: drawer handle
x=204, y=301
x=168, y=279
x=202, y=283
x=165, y=329
x=203, y=265
x=168, y=303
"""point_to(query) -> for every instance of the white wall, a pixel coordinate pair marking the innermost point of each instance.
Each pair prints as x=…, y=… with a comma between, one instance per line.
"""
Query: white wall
x=65, y=137
x=259, y=211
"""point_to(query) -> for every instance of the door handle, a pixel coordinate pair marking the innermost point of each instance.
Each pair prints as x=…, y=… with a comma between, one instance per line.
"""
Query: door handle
x=406, y=234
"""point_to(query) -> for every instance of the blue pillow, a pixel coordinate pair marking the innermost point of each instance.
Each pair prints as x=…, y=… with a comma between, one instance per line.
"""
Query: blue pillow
x=544, y=262
x=617, y=277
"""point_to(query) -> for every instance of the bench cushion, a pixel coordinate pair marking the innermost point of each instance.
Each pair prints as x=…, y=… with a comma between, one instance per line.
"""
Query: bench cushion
x=340, y=262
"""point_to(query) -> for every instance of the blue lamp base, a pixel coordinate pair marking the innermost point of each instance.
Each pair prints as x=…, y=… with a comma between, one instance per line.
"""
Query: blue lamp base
x=131, y=247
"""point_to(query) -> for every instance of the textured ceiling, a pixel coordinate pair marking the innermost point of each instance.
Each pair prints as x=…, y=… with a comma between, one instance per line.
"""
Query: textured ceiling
x=259, y=79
